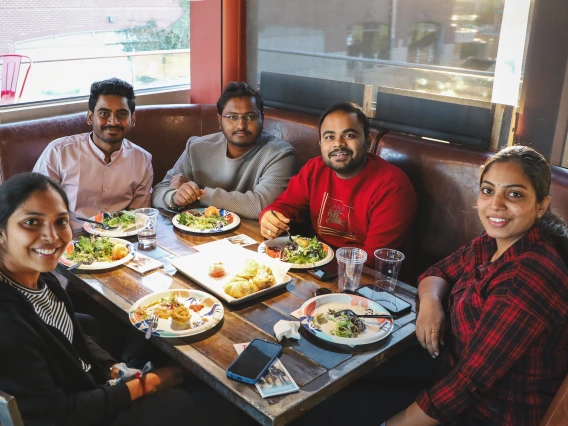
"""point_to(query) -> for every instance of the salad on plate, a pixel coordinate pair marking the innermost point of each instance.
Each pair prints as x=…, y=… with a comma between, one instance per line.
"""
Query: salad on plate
x=123, y=224
x=206, y=220
x=300, y=253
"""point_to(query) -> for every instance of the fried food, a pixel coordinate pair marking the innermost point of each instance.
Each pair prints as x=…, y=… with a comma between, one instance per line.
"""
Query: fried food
x=181, y=315
x=212, y=211
x=239, y=287
x=254, y=277
x=119, y=251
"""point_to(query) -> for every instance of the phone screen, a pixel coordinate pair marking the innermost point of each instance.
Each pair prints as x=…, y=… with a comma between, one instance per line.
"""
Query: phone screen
x=257, y=356
x=384, y=299
x=325, y=273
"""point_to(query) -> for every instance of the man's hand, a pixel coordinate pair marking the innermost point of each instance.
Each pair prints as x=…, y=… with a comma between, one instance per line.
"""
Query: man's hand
x=273, y=224
x=187, y=193
x=178, y=180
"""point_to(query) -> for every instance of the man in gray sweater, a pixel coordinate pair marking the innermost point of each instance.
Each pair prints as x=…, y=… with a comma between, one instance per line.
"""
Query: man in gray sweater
x=241, y=169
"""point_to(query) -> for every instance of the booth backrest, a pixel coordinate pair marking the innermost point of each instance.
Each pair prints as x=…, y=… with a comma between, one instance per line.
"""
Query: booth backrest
x=161, y=130
x=446, y=180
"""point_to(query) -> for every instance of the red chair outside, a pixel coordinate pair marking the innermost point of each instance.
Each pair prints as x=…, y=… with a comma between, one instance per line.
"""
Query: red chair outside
x=11, y=64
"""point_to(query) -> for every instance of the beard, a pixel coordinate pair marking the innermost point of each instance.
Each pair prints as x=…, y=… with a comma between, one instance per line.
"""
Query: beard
x=111, y=139
x=345, y=167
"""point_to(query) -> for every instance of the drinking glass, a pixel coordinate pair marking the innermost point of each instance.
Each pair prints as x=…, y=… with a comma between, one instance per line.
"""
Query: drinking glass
x=350, y=262
x=387, y=267
x=146, y=222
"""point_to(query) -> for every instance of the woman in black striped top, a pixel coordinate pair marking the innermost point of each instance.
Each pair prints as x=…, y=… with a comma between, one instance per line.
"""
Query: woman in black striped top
x=53, y=369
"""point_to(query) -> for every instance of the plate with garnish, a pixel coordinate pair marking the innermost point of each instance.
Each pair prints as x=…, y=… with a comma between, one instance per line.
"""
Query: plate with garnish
x=298, y=252
x=210, y=220
x=96, y=252
x=335, y=318
x=121, y=223
x=180, y=312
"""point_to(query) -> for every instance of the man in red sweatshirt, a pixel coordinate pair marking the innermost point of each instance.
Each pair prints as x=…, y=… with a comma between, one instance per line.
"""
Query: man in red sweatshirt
x=353, y=198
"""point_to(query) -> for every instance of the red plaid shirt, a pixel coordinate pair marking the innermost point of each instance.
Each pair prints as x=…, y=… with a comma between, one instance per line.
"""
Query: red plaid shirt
x=507, y=353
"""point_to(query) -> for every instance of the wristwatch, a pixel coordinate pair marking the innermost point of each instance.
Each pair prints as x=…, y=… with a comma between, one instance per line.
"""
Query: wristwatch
x=171, y=203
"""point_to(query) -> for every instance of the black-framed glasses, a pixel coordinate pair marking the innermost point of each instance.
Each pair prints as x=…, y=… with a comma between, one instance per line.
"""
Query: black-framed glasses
x=322, y=291
x=233, y=118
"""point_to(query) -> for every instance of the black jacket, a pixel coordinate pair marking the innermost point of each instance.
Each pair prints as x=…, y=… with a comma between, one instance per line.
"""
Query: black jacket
x=41, y=368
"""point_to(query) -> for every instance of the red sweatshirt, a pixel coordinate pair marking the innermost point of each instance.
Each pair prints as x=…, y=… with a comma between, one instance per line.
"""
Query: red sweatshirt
x=371, y=210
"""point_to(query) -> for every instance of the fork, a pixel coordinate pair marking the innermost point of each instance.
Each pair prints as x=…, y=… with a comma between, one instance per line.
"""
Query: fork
x=152, y=325
x=288, y=232
x=101, y=224
x=350, y=313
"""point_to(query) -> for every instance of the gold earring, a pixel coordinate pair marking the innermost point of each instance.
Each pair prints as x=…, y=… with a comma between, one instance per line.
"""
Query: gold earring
x=538, y=215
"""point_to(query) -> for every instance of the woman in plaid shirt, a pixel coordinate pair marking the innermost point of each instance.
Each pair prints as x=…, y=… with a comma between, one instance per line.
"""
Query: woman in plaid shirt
x=505, y=340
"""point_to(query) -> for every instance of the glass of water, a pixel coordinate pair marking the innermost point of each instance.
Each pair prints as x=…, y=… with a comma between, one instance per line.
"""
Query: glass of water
x=146, y=223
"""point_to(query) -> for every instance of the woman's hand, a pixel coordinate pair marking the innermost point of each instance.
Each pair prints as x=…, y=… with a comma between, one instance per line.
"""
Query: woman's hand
x=431, y=323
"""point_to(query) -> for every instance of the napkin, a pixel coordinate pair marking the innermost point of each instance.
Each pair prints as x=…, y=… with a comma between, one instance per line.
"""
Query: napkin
x=126, y=374
x=287, y=329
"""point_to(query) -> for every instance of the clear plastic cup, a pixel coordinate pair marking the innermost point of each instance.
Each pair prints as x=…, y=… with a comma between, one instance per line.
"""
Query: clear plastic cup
x=387, y=266
x=350, y=262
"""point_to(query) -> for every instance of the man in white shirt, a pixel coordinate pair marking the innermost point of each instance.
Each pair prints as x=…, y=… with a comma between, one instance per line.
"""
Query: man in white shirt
x=102, y=171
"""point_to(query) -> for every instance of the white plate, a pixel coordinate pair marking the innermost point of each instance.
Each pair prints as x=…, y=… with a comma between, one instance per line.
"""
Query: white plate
x=212, y=310
x=100, y=265
x=196, y=267
x=377, y=328
x=282, y=241
x=233, y=218
x=91, y=228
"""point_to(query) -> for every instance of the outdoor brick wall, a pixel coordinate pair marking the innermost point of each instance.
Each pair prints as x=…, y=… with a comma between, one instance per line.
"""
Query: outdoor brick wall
x=29, y=19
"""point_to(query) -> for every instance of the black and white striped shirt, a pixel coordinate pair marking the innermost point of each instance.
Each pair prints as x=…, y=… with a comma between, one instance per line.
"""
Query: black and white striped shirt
x=48, y=307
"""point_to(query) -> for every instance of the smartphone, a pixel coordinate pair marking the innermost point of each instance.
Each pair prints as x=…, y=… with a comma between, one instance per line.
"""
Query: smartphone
x=385, y=299
x=253, y=362
x=325, y=273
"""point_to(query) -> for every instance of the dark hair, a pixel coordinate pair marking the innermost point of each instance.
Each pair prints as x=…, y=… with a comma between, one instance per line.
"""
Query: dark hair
x=553, y=227
x=17, y=189
x=350, y=108
x=239, y=89
x=112, y=86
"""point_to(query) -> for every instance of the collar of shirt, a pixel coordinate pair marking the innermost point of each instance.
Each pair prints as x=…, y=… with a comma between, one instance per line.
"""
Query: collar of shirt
x=486, y=247
x=101, y=155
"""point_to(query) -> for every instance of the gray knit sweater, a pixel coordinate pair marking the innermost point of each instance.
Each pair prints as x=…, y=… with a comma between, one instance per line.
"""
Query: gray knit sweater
x=244, y=185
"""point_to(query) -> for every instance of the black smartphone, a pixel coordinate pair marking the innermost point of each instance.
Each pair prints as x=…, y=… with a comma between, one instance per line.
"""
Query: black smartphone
x=384, y=299
x=325, y=273
x=253, y=362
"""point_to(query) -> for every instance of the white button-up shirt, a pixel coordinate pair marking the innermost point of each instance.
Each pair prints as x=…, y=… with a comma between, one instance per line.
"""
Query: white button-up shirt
x=92, y=185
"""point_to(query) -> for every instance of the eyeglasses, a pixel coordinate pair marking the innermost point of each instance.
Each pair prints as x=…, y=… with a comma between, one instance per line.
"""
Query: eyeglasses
x=236, y=118
x=322, y=291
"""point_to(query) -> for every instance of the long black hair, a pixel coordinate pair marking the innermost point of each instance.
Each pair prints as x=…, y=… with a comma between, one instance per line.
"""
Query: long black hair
x=553, y=227
x=17, y=189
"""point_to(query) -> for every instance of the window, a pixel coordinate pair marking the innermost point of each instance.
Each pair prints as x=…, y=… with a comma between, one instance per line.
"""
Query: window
x=442, y=47
x=74, y=43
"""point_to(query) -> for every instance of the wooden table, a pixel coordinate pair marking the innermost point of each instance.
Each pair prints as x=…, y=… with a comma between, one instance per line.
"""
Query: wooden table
x=319, y=368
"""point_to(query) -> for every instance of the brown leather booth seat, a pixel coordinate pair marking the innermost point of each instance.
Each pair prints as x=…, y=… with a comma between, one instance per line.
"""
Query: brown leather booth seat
x=446, y=180
x=161, y=130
